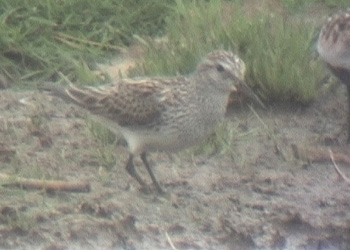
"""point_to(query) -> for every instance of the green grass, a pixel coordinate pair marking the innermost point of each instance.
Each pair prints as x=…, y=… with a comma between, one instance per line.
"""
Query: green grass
x=281, y=62
x=278, y=52
x=294, y=6
x=194, y=28
x=106, y=152
x=39, y=38
x=336, y=3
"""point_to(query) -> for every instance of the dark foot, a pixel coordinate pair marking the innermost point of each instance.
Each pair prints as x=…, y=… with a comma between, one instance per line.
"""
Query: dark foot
x=130, y=168
x=154, y=180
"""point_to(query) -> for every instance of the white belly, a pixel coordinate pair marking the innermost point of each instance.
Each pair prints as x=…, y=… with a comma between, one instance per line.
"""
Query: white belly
x=139, y=142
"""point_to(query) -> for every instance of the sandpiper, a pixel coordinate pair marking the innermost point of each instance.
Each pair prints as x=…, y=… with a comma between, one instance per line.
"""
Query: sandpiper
x=334, y=48
x=163, y=114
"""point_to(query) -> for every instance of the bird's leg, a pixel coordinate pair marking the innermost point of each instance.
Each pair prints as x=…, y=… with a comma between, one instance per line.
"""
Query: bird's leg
x=130, y=168
x=148, y=167
x=348, y=87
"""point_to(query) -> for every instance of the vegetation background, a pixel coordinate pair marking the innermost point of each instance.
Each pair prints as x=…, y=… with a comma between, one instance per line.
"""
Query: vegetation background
x=255, y=171
x=39, y=39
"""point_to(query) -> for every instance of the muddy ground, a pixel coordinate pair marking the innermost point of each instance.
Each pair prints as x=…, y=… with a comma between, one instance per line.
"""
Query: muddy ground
x=262, y=194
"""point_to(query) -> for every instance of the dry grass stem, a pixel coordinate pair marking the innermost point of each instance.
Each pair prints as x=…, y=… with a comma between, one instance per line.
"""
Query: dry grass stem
x=337, y=168
x=170, y=241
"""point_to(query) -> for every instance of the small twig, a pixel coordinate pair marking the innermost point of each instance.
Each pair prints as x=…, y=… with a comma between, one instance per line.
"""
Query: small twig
x=170, y=241
x=337, y=168
x=48, y=185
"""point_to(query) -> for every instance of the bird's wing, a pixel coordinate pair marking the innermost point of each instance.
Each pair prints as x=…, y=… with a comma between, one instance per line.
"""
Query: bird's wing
x=129, y=103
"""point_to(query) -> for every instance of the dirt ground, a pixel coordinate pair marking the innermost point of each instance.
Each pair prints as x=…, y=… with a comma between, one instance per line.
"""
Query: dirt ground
x=277, y=189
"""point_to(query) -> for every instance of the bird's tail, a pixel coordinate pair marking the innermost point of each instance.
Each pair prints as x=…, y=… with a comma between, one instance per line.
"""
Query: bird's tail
x=70, y=93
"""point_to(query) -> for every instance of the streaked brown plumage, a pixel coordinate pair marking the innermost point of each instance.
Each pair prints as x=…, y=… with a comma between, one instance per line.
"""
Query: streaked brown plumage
x=165, y=114
x=334, y=48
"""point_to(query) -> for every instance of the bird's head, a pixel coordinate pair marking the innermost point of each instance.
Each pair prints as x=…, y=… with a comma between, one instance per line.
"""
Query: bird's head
x=222, y=70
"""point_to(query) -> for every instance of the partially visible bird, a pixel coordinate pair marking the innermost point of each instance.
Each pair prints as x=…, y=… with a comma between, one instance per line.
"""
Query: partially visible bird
x=163, y=114
x=334, y=48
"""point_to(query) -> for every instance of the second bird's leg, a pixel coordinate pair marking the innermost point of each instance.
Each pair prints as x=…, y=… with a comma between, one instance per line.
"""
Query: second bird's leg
x=130, y=168
x=348, y=121
x=148, y=167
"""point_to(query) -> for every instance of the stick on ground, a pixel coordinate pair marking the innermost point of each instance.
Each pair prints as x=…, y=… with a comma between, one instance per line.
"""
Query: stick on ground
x=48, y=185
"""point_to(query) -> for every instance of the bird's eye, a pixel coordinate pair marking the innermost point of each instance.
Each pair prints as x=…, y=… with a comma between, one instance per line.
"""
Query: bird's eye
x=220, y=68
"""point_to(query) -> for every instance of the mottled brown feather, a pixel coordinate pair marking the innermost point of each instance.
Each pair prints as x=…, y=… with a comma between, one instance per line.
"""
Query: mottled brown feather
x=114, y=103
x=130, y=102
